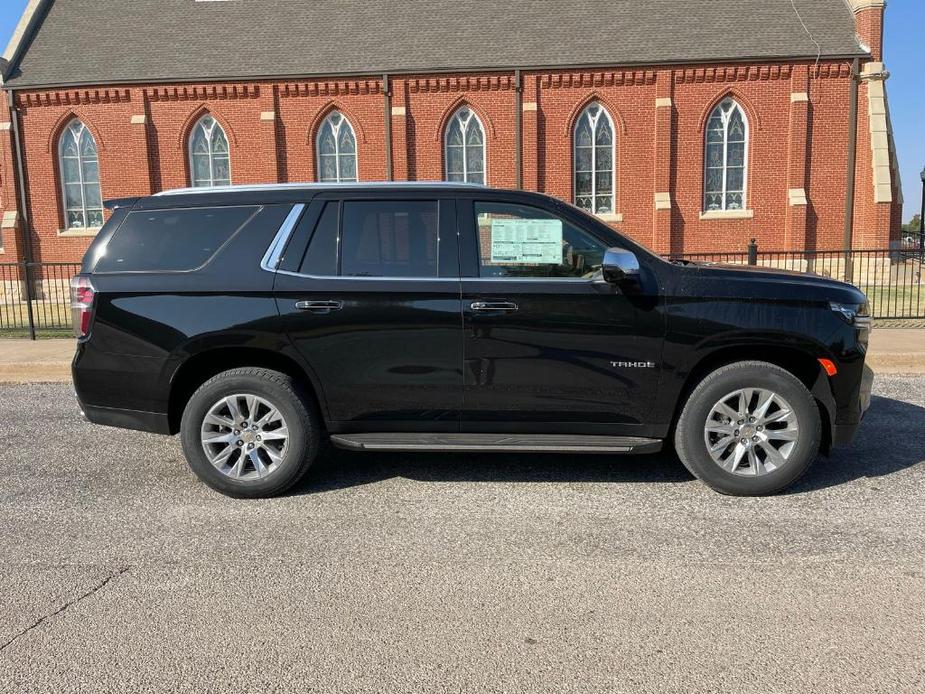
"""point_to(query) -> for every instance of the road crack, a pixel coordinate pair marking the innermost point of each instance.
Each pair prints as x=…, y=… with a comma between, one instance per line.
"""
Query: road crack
x=80, y=598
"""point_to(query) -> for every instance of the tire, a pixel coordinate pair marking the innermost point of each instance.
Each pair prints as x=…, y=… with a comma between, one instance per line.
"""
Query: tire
x=271, y=454
x=776, y=453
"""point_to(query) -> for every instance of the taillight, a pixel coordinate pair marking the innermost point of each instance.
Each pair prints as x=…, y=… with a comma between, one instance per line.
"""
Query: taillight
x=82, y=295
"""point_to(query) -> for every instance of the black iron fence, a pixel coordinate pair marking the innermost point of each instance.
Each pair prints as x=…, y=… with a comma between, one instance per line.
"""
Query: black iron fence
x=35, y=297
x=892, y=278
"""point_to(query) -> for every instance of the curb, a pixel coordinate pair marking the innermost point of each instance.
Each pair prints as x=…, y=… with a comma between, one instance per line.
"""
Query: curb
x=35, y=372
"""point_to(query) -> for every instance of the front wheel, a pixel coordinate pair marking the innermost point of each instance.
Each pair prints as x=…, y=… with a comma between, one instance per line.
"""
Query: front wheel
x=749, y=429
x=250, y=432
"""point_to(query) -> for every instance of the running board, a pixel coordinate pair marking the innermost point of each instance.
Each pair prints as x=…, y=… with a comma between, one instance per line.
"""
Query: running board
x=481, y=443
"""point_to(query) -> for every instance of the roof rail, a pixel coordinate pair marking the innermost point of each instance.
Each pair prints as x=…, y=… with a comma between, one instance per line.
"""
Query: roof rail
x=251, y=188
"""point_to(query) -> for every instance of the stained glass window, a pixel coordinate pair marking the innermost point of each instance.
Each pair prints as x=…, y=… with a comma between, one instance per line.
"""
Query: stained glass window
x=464, y=148
x=210, y=156
x=337, y=150
x=80, y=178
x=726, y=158
x=594, y=161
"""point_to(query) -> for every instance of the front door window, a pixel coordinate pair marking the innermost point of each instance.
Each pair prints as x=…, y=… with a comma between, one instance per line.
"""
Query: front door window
x=520, y=241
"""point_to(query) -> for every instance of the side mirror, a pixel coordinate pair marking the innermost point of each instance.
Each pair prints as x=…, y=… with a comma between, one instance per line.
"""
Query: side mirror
x=619, y=266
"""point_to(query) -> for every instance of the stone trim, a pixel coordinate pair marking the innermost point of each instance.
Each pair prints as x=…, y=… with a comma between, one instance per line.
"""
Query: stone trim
x=399, y=111
x=22, y=34
x=880, y=133
x=268, y=115
x=797, y=197
x=663, y=201
x=140, y=119
x=858, y=5
x=10, y=217
x=663, y=102
x=796, y=97
x=727, y=214
x=530, y=106
x=5, y=126
x=76, y=233
x=610, y=217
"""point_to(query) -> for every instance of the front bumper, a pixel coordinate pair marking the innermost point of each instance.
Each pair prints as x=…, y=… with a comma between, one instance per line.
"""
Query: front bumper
x=843, y=434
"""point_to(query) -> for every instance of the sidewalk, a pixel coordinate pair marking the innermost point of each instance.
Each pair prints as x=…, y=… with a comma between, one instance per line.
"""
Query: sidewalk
x=899, y=350
x=41, y=361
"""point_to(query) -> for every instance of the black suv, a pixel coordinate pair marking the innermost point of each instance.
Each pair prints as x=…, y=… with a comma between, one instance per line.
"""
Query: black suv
x=260, y=322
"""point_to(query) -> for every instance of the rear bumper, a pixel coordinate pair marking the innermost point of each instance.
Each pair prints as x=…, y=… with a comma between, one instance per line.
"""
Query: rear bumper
x=154, y=422
x=120, y=390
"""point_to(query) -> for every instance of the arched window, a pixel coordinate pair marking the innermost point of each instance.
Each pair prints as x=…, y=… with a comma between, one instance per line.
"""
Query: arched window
x=337, y=150
x=726, y=158
x=80, y=177
x=595, y=157
x=464, y=148
x=210, y=159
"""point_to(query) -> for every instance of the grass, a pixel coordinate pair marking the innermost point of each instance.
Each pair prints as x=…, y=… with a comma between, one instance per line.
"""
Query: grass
x=894, y=301
x=51, y=319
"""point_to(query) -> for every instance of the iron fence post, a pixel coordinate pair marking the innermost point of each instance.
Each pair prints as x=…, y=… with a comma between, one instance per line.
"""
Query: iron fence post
x=849, y=267
x=27, y=278
x=753, y=252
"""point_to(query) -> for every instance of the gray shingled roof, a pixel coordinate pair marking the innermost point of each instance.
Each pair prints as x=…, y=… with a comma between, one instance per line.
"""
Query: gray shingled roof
x=115, y=41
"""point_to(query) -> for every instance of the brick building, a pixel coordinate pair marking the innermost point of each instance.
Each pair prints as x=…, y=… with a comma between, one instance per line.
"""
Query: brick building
x=690, y=125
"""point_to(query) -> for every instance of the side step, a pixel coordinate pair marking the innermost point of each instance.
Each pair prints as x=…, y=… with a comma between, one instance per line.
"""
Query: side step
x=480, y=443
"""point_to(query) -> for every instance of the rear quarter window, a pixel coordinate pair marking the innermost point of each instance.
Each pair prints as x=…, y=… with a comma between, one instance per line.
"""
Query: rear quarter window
x=172, y=240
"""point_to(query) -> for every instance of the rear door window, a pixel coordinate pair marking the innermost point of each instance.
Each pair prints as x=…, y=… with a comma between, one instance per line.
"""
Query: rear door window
x=172, y=240
x=321, y=257
x=389, y=239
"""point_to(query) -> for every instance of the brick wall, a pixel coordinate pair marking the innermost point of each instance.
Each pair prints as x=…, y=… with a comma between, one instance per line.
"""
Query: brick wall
x=798, y=142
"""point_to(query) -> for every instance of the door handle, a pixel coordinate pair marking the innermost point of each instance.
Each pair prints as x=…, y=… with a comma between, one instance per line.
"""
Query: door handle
x=494, y=306
x=319, y=306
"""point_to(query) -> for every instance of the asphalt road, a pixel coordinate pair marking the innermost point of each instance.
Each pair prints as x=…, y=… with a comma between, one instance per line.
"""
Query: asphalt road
x=400, y=573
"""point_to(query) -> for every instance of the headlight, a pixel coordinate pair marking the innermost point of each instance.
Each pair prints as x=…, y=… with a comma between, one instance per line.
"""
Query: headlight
x=852, y=313
x=857, y=315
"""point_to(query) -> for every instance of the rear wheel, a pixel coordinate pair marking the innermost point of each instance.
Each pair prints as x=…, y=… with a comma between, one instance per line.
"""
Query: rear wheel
x=749, y=429
x=250, y=432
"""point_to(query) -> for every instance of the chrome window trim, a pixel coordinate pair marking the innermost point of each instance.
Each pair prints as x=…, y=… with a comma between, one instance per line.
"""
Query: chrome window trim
x=271, y=258
x=569, y=280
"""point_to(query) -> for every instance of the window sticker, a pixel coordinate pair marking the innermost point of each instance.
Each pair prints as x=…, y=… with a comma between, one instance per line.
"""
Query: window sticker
x=526, y=241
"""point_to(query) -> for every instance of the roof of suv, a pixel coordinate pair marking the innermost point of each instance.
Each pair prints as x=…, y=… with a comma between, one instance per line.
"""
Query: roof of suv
x=295, y=192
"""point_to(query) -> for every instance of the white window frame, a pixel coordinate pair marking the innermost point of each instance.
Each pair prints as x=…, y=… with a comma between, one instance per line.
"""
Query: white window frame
x=337, y=152
x=66, y=133
x=208, y=133
x=464, y=127
x=726, y=117
x=593, y=121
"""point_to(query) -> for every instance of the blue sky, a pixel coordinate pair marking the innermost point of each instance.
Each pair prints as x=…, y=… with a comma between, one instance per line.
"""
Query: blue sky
x=905, y=28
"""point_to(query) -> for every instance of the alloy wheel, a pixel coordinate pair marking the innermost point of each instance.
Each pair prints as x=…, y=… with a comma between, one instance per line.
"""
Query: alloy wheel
x=751, y=432
x=244, y=436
